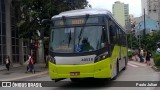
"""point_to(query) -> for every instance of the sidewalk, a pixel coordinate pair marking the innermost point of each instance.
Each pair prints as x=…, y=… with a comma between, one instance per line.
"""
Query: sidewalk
x=136, y=57
x=17, y=73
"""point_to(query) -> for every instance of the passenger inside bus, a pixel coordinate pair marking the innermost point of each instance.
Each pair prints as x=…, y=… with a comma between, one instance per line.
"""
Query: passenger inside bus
x=86, y=45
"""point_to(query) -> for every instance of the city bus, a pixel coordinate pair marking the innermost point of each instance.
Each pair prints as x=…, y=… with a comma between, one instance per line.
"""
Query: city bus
x=86, y=43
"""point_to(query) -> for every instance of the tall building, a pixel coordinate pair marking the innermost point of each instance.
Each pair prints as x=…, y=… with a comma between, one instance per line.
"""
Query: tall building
x=3, y=43
x=144, y=6
x=9, y=40
x=132, y=18
x=152, y=8
x=10, y=43
x=121, y=13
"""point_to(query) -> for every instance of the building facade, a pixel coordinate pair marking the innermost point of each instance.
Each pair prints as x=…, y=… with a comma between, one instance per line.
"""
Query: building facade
x=130, y=27
x=150, y=25
x=144, y=6
x=3, y=46
x=152, y=8
x=10, y=44
x=121, y=13
x=9, y=41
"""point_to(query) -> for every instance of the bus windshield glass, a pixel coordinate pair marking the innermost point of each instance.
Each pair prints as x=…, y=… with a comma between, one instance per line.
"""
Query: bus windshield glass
x=76, y=39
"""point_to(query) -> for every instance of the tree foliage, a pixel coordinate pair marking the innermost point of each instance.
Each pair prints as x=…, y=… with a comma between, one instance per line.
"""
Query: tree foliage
x=132, y=41
x=33, y=11
x=150, y=41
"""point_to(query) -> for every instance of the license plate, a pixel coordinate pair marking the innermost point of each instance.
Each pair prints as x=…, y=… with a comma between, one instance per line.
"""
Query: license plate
x=74, y=73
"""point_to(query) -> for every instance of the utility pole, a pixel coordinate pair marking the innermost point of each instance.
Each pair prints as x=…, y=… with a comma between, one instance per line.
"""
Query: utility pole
x=158, y=24
x=139, y=36
x=144, y=32
x=131, y=39
x=159, y=14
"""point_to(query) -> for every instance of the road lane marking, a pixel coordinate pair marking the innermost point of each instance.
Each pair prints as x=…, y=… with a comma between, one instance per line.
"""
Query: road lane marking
x=136, y=64
x=132, y=65
x=139, y=64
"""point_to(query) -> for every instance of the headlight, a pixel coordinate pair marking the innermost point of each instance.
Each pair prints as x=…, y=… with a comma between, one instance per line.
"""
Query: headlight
x=101, y=57
x=52, y=59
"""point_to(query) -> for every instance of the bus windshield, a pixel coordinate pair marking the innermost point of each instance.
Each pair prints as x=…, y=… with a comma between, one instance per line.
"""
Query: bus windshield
x=76, y=39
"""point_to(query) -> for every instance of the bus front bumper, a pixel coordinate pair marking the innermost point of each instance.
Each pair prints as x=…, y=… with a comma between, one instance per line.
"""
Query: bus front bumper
x=100, y=69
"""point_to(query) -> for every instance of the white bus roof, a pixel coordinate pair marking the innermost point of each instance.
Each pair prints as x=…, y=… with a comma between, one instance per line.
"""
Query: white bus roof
x=80, y=12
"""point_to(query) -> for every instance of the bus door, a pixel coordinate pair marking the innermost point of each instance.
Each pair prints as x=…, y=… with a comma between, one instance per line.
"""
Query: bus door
x=121, y=61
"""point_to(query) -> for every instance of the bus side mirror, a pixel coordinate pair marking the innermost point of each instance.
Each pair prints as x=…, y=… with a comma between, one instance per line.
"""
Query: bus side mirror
x=46, y=21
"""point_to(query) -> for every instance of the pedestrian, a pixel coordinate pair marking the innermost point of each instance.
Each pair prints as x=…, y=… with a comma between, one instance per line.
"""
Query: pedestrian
x=148, y=56
x=144, y=55
x=136, y=54
x=141, y=55
x=30, y=66
x=7, y=62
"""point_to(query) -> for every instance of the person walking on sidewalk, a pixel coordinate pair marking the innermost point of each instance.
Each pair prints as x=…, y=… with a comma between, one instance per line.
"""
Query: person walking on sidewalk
x=141, y=55
x=145, y=55
x=148, y=56
x=30, y=66
x=7, y=62
x=136, y=54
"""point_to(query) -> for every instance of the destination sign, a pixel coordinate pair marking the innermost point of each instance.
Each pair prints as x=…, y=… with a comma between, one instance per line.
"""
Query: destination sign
x=78, y=21
x=75, y=21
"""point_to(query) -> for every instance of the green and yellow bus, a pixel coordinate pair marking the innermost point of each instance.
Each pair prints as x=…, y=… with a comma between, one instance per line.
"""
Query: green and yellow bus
x=86, y=43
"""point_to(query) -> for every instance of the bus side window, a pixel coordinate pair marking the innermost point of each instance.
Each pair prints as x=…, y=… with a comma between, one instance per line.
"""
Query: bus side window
x=103, y=38
x=112, y=35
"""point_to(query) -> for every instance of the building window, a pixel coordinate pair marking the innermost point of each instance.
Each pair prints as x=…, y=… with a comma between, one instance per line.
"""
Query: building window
x=25, y=50
x=2, y=32
x=14, y=33
x=154, y=10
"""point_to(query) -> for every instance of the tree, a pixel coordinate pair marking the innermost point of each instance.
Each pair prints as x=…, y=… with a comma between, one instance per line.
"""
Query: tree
x=132, y=41
x=150, y=41
x=33, y=11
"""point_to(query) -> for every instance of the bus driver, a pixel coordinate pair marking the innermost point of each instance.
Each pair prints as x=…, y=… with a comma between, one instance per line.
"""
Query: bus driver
x=86, y=45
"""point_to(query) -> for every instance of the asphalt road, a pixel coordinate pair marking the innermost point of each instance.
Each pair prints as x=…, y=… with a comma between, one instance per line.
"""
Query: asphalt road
x=135, y=72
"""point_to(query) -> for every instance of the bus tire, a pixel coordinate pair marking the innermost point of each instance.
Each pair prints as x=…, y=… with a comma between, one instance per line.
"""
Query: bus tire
x=125, y=64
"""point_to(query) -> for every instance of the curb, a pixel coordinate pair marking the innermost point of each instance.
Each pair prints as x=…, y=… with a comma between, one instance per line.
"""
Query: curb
x=27, y=76
x=156, y=68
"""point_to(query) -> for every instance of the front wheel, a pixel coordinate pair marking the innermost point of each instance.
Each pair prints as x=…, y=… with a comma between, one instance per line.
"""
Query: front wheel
x=125, y=64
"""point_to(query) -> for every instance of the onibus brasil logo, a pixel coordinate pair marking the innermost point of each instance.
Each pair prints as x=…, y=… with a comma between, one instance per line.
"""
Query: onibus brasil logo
x=21, y=84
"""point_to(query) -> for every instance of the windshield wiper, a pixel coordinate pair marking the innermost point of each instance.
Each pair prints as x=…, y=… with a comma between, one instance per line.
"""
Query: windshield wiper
x=69, y=38
x=82, y=29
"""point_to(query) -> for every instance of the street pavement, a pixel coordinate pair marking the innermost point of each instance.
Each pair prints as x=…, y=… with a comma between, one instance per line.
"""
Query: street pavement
x=18, y=73
x=135, y=71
